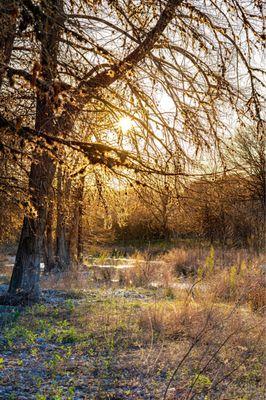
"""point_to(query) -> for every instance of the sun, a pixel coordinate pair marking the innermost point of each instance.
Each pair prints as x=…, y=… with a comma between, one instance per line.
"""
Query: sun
x=125, y=123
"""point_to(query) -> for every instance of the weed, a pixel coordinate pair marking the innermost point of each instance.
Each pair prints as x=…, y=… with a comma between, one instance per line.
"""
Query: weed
x=232, y=277
x=209, y=262
x=246, y=286
x=69, y=304
x=18, y=331
x=201, y=382
x=40, y=396
x=53, y=364
x=170, y=293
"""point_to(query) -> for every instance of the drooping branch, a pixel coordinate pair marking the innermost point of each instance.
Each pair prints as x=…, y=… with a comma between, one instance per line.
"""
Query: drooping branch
x=96, y=153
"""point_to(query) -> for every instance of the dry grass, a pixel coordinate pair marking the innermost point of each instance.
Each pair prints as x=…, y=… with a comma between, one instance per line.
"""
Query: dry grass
x=205, y=347
x=73, y=279
x=220, y=344
x=244, y=285
x=241, y=281
x=201, y=343
x=147, y=272
x=194, y=338
x=179, y=319
x=188, y=261
x=183, y=261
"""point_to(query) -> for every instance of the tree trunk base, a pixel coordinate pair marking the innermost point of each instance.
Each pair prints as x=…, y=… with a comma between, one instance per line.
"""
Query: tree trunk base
x=19, y=299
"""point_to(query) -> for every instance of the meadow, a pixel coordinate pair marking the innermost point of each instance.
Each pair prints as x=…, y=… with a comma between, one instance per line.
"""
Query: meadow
x=182, y=324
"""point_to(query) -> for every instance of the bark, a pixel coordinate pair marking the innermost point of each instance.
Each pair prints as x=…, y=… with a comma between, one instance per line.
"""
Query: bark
x=75, y=242
x=80, y=220
x=49, y=253
x=25, y=279
x=69, y=222
x=8, y=20
x=62, y=228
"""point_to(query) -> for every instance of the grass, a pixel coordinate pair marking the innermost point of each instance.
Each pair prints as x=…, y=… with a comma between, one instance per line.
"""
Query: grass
x=114, y=337
x=202, y=342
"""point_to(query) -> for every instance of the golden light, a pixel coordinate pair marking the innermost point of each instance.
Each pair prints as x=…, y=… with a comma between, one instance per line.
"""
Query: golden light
x=125, y=123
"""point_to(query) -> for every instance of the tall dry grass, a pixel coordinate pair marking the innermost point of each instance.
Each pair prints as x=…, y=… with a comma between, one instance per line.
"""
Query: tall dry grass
x=245, y=285
x=146, y=272
x=225, y=277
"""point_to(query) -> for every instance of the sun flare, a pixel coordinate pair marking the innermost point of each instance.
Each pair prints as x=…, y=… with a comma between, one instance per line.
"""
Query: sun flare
x=125, y=123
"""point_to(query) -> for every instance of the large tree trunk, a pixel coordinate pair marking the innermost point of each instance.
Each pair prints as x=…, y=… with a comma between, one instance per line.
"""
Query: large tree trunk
x=26, y=273
x=8, y=19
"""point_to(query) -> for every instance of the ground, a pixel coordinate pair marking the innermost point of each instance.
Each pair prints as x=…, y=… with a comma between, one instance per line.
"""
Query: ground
x=129, y=343
x=137, y=328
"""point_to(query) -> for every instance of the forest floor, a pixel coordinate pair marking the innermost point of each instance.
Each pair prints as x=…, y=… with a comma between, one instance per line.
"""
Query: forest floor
x=120, y=342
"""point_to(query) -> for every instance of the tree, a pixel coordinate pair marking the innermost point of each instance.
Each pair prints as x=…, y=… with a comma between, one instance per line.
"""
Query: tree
x=26, y=272
x=8, y=20
x=158, y=48
x=247, y=156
